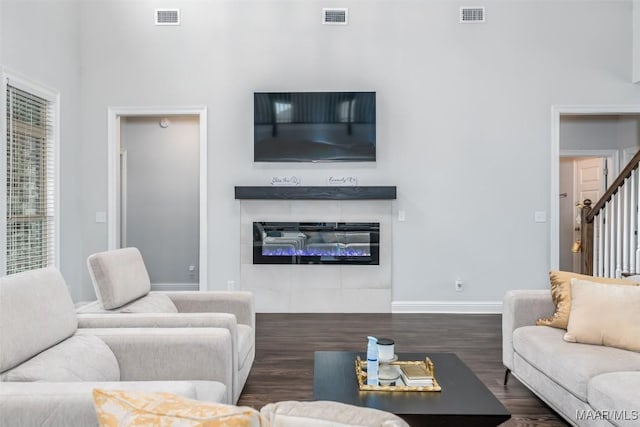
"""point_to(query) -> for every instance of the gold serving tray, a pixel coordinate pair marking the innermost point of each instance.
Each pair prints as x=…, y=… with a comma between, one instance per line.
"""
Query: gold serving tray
x=362, y=377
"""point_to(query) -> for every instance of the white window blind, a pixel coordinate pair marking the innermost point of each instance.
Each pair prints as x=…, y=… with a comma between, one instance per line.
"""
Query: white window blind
x=30, y=181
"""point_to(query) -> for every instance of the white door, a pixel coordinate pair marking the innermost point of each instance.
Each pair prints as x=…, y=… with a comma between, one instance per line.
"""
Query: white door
x=590, y=176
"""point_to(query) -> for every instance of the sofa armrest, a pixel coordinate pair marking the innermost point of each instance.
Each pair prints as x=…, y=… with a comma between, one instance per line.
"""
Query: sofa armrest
x=156, y=354
x=44, y=404
x=522, y=308
x=158, y=320
x=236, y=302
x=165, y=320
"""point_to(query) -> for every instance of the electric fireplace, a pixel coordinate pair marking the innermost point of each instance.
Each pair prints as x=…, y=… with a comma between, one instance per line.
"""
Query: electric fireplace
x=341, y=243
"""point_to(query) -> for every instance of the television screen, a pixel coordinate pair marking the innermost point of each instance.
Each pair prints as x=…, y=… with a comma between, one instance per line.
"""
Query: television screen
x=314, y=127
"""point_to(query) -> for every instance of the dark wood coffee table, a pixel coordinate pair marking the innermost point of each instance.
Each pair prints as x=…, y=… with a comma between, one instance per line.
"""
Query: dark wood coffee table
x=464, y=399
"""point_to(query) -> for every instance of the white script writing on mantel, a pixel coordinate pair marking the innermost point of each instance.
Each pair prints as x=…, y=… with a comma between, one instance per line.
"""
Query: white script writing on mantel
x=285, y=180
x=342, y=180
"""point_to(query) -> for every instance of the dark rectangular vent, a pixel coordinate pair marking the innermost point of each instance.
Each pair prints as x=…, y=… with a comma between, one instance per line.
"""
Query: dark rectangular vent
x=471, y=15
x=335, y=16
x=167, y=16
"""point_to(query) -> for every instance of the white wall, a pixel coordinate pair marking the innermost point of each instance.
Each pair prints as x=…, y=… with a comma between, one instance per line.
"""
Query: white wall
x=629, y=132
x=163, y=195
x=2, y=34
x=636, y=41
x=463, y=115
x=613, y=132
x=40, y=39
x=454, y=101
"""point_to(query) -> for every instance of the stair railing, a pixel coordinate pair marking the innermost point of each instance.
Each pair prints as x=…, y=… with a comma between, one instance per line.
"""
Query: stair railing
x=609, y=229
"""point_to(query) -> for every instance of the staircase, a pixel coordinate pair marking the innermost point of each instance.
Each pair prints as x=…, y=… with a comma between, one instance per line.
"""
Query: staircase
x=609, y=233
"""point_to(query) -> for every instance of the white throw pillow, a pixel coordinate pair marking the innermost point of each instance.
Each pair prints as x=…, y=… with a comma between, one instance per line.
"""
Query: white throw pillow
x=604, y=315
x=323, y=413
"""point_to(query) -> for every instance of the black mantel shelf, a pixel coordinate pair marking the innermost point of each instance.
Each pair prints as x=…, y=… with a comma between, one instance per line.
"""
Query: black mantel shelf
x=316, y=193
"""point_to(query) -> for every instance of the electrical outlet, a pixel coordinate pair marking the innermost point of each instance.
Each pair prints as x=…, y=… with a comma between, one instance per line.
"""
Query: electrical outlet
x=459, y=285
x=231, y=285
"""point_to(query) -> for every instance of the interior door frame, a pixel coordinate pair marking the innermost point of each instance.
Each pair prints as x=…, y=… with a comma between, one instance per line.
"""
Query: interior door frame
x=556, y=112
x=113, y=173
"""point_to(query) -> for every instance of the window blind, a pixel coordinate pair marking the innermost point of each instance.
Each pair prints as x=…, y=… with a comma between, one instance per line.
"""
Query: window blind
x=30, y=222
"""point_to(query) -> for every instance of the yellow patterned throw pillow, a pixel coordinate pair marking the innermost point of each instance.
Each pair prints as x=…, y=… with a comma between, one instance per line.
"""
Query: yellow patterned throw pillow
x=561, y=295
x=118, y=408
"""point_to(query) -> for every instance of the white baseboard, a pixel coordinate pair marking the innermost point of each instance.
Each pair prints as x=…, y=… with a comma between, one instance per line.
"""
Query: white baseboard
x=467, y=307
x=175, y=286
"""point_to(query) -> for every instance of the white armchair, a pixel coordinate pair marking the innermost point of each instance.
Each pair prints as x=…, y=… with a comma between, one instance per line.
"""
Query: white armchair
x=122, y=285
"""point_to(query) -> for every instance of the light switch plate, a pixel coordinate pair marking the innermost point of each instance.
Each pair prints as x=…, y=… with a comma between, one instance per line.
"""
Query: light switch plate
x=540, y=216
x=101, y=217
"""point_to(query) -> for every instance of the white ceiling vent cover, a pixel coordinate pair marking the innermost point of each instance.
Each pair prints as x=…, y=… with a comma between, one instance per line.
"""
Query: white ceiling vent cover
x=333, y=16
x=471, y=15
x=167, y=16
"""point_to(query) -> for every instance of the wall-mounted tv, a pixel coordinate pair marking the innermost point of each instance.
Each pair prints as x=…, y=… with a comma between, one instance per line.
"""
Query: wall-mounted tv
x=314, y=127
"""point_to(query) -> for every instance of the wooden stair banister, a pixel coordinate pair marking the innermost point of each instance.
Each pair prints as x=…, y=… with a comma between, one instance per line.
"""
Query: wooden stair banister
x=590, y=211
x=586, y=239
x=615, y=186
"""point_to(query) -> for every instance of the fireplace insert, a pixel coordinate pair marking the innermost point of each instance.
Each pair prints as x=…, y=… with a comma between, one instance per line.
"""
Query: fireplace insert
x=341, y=243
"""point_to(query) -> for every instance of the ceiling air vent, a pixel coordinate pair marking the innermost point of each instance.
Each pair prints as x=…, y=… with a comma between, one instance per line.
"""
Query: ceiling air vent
x=335, y=16
x=471, y=15
x=167, y=16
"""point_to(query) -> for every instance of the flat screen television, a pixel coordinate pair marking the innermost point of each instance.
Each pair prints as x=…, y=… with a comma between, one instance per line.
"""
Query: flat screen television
x=314, y=127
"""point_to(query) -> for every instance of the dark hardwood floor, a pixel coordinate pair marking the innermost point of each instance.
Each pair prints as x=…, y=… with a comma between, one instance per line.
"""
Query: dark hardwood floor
x=285, y=343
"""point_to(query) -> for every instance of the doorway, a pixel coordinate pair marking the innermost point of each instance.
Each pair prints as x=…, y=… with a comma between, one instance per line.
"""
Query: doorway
x=598, y=146
x=157, y=192
x=581, y=178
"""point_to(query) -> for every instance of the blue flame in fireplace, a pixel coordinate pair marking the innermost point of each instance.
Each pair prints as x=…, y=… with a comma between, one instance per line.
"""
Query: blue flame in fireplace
x=335, y=252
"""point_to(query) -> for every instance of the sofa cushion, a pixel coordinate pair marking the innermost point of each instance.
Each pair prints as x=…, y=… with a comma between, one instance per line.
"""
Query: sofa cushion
x=571, y=365
x=36, y=312
x=615, y=397
x=79, y=358
x=119, y=276
x=70, y=404
x=209, y=391
x=561, y=295
x=151, y=303
x=114, y=407
x=604, y=315
x=323, y=413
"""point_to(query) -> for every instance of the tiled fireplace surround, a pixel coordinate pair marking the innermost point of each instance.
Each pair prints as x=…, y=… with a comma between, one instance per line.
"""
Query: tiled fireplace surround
x=317, y=288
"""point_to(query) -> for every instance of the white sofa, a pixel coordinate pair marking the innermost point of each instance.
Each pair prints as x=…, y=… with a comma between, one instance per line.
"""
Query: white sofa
x=588, y=385
x=123, y=287
x=48, y=367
